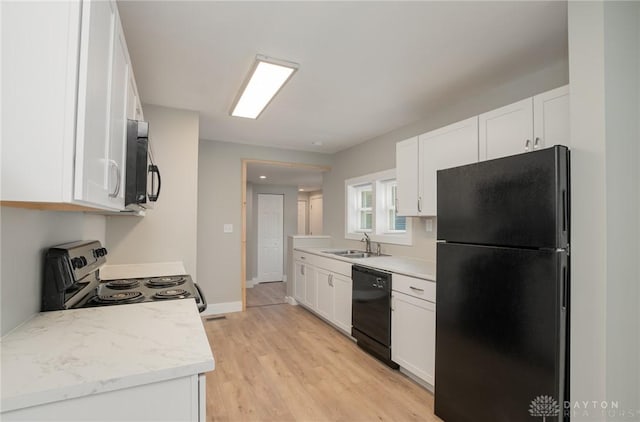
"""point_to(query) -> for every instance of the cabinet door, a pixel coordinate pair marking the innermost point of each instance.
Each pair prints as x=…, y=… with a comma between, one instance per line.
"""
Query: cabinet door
x=310, y=287
x=413, y=335
x=325, y=294
x=134, y=109
x=551, y=118
x=94, y=100
x=507, y=130
x=407, y=177
x=342, y=296
x=300, y=282
x=118, y=120
x=450, y=146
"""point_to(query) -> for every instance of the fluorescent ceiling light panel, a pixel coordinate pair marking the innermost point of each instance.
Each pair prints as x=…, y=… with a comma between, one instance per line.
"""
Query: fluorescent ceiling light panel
x=264, y=81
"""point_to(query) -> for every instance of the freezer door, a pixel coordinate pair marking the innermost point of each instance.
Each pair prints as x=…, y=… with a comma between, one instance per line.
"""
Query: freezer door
x=520, y=201
x=500, y=332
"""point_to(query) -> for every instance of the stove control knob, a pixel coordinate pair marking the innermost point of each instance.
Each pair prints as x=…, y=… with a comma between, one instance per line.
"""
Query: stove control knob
x=100, y=252
x=79, y=262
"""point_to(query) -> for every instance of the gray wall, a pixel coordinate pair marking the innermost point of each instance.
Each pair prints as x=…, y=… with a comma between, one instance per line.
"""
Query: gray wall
x=290, y=227
x=379, y=153
x=168, y=232
x=25, y=236
x=604, y=54
x=219, y=203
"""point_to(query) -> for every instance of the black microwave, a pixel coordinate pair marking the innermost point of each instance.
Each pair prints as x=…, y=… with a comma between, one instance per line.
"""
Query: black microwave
x=142, y=177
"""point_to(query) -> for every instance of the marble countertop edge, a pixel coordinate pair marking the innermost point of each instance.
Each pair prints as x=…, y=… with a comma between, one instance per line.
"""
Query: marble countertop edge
x=94, y=387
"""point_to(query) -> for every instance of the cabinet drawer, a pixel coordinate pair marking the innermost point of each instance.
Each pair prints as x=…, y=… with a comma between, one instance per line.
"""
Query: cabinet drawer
x=333, y=265
x=416, y=287
x=304, y=257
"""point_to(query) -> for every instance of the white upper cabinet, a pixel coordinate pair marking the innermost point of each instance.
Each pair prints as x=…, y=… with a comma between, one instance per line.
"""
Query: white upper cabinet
x=507, y=130
x=531, y=124
x=94, y=174
x=407, y=177
x=551, y=118
x=74, y=157
x=450, y=146
x=118, y=120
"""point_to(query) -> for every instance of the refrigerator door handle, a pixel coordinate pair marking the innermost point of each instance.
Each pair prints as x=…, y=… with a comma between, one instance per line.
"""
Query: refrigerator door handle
x=564, y=211
x=527, y=143
x=564, y=288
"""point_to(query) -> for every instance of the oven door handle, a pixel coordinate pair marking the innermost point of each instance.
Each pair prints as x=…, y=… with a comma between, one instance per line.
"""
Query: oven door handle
x=203, y=305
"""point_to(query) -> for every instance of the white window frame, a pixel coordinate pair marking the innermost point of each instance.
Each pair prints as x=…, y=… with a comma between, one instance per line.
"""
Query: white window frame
x=379, y=232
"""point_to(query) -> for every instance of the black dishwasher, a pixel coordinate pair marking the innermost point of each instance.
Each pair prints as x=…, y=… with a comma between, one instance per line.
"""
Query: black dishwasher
x=371, y=312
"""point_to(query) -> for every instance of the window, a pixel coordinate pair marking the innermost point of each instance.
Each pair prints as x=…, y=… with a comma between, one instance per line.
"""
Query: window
x=364, y=200
x=371, y=208
x=393, y=223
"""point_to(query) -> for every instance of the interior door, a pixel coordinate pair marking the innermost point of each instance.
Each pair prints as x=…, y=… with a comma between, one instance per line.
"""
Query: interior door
x=315, y=216
x=270, y=237
x=302, y=218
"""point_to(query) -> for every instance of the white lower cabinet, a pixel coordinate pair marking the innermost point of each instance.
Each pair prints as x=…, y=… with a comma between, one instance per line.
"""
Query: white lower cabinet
x=324, y=294
x=413, y=335
x=300, y=281
x=179, y=399
x=325, y=289
x=310, y=297
x=342, y=295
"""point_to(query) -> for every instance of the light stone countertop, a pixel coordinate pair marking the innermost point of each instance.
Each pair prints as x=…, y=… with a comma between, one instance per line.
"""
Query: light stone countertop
x=412, y=267
x=73, y=353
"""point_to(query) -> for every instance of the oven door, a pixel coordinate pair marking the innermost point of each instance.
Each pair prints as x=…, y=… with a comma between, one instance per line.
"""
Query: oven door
x=371, y=311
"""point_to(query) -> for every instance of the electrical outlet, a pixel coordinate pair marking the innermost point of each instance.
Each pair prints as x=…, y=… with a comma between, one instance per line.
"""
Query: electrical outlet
x=228, y=228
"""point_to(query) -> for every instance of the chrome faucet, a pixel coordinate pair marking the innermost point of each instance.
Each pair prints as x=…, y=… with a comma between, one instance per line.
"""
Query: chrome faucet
x=367, y=240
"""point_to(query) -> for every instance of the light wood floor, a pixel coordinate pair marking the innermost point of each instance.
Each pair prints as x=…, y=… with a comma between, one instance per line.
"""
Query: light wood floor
x=266, y=294
x=281, y=363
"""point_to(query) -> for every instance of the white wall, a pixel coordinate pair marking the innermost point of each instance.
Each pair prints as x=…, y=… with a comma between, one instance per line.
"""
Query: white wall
x=168, y=232
x=290, y=227
x=25, y=237
x=219, y=202
x=379, y=154
x=604, y=51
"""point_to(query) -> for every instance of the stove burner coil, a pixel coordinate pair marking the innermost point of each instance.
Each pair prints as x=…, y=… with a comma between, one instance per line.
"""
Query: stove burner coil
x=121, y=297
x=162, y=282
x=123, y=284
x=172, y=294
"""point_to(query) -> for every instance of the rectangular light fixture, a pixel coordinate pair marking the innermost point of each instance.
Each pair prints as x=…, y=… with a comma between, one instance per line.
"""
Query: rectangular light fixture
x=266, y=78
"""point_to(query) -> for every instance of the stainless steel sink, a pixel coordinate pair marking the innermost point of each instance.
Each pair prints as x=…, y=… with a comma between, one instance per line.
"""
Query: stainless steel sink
x=353, y=253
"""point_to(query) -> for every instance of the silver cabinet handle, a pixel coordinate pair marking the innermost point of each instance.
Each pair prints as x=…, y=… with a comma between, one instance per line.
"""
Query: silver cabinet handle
x=527, y=144
x=331, y=280
x=419, y=204
x=116, y=190
x=416, y=289
x=303, y=257
x=397, y=203
x=536, y=143
x=302, y=269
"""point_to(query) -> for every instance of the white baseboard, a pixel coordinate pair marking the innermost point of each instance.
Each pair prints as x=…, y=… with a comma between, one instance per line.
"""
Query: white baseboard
x=290, y=300
x=222, y=308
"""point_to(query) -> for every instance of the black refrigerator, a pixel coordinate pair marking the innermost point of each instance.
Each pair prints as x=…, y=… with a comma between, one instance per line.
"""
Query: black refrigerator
x=502, y=289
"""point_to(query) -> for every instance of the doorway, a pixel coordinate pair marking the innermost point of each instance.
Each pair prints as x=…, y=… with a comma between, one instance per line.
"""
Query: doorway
x=263, y=217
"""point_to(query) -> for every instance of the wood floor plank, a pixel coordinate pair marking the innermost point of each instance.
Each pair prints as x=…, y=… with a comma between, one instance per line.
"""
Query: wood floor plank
x=282, y=363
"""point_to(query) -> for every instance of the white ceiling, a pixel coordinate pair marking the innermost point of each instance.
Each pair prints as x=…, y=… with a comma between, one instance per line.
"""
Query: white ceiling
x=366, y=68
x=307, y=179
